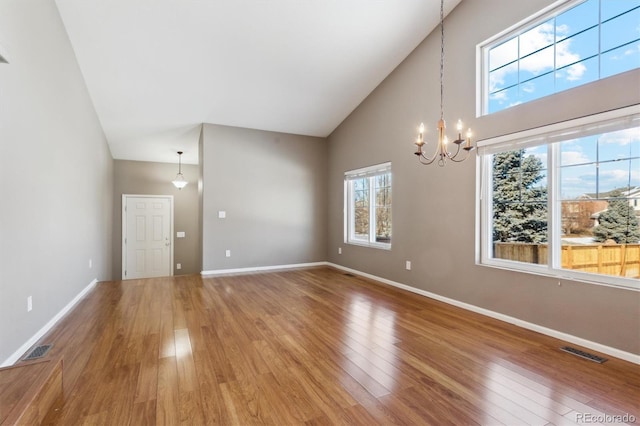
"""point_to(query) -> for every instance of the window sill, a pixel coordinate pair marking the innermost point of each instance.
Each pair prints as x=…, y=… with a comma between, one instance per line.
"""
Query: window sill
x=563, y=274
x=381, y=246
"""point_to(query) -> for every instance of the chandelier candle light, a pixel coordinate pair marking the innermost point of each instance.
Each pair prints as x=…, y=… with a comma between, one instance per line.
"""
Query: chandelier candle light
x=442, y=153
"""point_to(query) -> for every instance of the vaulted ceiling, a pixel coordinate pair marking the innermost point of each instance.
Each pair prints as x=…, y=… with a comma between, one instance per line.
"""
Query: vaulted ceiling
x=157, y=69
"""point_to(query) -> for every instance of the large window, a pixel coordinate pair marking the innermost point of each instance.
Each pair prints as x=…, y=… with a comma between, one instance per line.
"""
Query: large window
x=368, y=206
x=574, y=43
x=564, y=200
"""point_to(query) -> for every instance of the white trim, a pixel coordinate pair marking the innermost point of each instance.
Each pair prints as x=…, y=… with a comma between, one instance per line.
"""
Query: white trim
x=559, y=274
x=482, y=97
x=375, y=245
x=627, y=356
x=345, y=210
x=48, y=326
x=378, y=169
x=262, y=268
x=550, y=136
x=530, y=21
x=596, y=123
x=482, y=50
x=368, y=173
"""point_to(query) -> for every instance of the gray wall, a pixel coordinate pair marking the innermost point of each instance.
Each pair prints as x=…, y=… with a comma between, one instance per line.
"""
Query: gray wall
x=434, y=208
x=56, y=175
x=273, y=189
x=148, y=178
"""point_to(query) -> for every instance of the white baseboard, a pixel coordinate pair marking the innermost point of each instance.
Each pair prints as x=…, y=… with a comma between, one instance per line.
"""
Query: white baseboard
x=627, y=356
x=48, y=326
x=262, y=268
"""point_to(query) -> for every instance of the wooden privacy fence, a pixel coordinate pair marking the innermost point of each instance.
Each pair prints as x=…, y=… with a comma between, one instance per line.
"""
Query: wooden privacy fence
x=615, y=259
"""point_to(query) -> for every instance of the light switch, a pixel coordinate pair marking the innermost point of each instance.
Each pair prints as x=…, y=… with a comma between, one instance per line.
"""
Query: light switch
x=222, y=214
x=180, y=234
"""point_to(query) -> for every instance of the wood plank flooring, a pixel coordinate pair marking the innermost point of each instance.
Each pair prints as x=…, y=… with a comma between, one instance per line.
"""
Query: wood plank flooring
x=316, y=347
x=29, y=390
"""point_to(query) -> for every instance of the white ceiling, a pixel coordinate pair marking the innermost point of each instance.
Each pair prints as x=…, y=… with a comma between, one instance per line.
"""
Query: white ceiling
x=157, y=69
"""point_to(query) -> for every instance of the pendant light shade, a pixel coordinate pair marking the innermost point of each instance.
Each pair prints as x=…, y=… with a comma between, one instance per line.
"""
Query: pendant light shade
x=179, y=182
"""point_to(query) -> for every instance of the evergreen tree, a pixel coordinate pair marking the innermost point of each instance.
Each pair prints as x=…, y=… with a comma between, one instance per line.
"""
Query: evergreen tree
x=519, y=206
x=618, y=223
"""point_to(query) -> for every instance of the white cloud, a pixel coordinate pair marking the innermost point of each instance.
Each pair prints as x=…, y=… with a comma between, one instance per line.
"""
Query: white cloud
x=576, y=71
x=536, y=38
x=500, y=96
x=618, y=178
x=632, y=51
x=573, y=157
x=562, y=30
x=504, y=53
x=497, y=78
x=542, y=61
x=616, y=175
x=576, y=180
x=621, y=137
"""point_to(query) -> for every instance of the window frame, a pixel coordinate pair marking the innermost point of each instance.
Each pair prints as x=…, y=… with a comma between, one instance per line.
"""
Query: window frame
x=350, y=176
x=551, y=136
x=483, y=49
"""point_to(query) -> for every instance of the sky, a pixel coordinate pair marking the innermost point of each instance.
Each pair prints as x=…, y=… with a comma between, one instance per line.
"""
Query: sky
x=616, y=153
x=595, y=39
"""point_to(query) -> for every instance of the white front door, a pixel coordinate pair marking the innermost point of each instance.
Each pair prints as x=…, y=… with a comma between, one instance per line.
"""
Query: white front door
x=147, y=245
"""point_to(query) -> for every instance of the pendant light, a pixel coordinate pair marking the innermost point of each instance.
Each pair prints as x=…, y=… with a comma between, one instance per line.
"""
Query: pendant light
x=179, y=182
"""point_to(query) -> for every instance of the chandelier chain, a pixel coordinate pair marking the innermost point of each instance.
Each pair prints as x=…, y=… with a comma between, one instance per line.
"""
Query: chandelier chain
x=443, y=151
x=442, y=59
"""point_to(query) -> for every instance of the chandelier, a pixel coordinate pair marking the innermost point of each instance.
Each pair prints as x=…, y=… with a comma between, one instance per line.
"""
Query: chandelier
x=179, y=182
x=442, y=153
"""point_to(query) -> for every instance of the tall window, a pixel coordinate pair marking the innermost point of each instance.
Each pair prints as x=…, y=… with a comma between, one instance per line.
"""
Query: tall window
x=575, y=43
x=565, y=199
x=368, y=206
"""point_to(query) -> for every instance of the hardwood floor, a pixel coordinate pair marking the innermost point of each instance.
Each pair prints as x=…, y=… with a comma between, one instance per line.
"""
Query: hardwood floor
x=316, y=346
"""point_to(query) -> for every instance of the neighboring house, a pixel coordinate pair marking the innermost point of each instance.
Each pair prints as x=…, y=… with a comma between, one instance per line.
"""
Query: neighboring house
x=578, y=215
x=633, y=195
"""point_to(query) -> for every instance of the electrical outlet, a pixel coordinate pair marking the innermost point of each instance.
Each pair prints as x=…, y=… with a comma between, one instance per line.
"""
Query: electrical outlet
x=178, y=265
x=29, y=303
x=228, y=253
x=90, y=263
x=339, y=250
x=408, y=265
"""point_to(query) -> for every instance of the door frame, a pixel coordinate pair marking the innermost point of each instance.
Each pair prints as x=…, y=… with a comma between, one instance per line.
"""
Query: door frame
x=124, y=228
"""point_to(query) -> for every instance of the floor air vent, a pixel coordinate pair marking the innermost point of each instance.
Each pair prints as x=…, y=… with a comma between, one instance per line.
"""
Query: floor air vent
x=349, y=275
x=38, y=352
x=583, y=354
